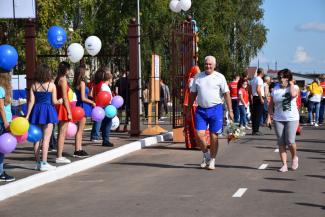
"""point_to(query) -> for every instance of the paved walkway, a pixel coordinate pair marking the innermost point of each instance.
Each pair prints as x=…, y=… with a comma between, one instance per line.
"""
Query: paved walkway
x=166, y=181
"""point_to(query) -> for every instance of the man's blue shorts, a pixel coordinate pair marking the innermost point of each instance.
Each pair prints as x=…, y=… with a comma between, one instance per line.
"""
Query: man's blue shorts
x=212, y=116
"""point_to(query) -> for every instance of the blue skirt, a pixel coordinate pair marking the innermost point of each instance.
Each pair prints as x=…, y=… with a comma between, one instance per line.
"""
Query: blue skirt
x=43, y=114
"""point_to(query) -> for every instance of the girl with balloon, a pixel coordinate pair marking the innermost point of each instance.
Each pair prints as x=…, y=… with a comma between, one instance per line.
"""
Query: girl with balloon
x=63, y=110
x=41, y=111
x=5, y=116
x=103, y=78
x=82, y=91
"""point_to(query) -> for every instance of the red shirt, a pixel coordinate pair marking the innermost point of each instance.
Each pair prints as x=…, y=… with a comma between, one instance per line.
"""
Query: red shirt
x=323, y=86
x=233, y=89
x=244, y=92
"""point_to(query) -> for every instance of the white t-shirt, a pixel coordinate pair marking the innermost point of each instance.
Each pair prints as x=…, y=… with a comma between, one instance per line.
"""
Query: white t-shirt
x=209, y=88
x=285, y=107
x=257, y=81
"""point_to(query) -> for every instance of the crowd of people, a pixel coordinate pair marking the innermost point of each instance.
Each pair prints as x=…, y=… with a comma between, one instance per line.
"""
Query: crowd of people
x=49, y=105
x=259, y=101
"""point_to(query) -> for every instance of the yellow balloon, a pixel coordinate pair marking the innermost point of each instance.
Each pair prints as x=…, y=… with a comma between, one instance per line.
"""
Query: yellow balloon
x=19, y=126
x=70, y=95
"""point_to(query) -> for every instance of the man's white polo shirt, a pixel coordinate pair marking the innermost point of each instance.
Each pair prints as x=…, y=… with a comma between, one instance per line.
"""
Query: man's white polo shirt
x=209, y=88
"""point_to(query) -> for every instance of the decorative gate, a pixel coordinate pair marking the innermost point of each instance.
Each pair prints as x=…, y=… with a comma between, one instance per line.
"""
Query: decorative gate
x=184, y=56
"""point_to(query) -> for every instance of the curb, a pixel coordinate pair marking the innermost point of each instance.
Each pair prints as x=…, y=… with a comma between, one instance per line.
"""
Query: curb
x=37, y=180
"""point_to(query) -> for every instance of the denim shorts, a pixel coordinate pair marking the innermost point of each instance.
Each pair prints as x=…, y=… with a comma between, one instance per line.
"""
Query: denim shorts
x=212, y=117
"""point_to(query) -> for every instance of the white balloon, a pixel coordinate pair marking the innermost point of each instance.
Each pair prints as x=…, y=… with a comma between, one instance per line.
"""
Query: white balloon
x=175, y=6
x=75, y=52
x=93, y=45
x=185, y=4
x=115, y=123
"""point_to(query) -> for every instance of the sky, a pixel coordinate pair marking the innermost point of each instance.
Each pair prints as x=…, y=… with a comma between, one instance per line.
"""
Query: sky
x=296, y=36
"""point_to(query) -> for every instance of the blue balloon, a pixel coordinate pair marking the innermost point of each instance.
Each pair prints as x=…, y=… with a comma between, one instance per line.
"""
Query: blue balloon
x=110, y=111
x=34, y=133
x=56, y=36
x=8, y=57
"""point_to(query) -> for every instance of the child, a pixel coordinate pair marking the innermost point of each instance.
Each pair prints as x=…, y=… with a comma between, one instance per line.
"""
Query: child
x=63, y=110
x=103, y=78
x=243, y=102
x=41, y=111
x=5, y=117
x=82, y=91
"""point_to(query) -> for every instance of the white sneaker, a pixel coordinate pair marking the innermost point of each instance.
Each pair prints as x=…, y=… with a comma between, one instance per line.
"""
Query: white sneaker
x=242, y=127
x=212, y=164
x=316, y=125
x=62, y=160
x=247, y=127
x=204, y=163
x=44, y=166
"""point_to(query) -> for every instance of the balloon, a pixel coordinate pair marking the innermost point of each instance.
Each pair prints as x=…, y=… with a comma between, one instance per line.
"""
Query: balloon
x=19, y=126
x=78, y=113
x=7, y=143
x=34, y=133
x=93, y=45
x=71, y=130
x=70, y=95
x=115, y=123
x=75, y=52
x=110, y=111
x=117, y=101
x=56, y=36
x=98, y=113
x=185, y=4
x=22, y=138
x=8, y=57
x=103, y=98
x=175, y=6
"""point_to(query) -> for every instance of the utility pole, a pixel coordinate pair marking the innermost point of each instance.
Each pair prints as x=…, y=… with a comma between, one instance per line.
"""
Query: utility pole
x=139, y=57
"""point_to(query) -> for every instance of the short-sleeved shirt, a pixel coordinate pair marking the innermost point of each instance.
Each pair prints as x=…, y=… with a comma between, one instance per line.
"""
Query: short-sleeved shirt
x=233, y=89
x=244, y=93
x=7, y=108
x=257, y=81
x=285, y=107
x=209, y=89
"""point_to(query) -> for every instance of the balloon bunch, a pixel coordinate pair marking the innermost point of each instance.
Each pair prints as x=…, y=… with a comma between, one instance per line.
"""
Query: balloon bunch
x=178, y=5
x=20, y=130
x=110, y=110
x=57, y=36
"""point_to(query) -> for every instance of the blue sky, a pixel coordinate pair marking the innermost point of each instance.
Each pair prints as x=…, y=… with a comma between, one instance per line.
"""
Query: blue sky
x=296, y=36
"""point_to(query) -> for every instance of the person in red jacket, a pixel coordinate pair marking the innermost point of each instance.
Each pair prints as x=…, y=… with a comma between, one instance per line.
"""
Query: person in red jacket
x=322, y=102
x=234, y=96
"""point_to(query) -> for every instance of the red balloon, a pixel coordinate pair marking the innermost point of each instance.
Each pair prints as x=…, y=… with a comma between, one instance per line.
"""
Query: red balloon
x=77, y=113
x=103, y=98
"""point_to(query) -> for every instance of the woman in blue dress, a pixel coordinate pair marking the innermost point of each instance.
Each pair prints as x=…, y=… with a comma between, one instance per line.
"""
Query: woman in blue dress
x=41, y=111
x=82, y=92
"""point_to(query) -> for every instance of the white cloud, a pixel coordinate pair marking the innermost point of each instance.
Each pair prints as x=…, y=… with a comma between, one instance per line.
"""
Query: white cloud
x=301, y=56
x=312, y=26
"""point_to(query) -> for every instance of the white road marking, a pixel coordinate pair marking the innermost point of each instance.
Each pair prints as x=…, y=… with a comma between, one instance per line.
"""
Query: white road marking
x=240, y=192
x=263, y=167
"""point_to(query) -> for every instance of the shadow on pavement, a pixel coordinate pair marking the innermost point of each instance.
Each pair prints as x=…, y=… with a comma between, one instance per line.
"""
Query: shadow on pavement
x=316, y=176
x=166, y=166
x=280, y=179
x=311, y=204
x=276, y=191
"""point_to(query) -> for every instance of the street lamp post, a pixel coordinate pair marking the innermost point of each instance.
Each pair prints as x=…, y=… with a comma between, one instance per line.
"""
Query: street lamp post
x=139, y=57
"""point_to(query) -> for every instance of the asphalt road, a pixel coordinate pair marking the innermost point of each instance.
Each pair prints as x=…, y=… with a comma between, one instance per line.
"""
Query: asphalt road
x=166, y=181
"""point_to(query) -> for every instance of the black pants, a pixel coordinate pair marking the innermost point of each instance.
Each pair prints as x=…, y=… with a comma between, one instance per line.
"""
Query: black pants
x=257, y=113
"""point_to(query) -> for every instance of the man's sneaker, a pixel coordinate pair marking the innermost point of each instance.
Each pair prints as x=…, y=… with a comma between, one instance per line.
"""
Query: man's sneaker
x=295, y=163
x=316, y=125
x=257, y=134
x=80, y=154
x=4, y=177
x=212, y=164
x=204, y=163
x=283, y=169
x=95, y=140
x=44, y=166
x=108, y=144
x=247, y=127
x=62, y=160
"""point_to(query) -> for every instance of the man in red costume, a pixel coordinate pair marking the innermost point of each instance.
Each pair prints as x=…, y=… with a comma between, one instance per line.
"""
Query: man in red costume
x=189, y=127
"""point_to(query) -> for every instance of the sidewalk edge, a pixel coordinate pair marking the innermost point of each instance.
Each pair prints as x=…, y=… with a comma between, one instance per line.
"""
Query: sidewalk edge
x=37, y=180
